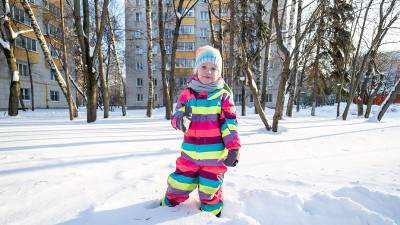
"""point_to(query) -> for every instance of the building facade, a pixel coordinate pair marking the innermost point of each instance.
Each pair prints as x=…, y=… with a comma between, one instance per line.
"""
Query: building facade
x=28, y=53
x=194, y=33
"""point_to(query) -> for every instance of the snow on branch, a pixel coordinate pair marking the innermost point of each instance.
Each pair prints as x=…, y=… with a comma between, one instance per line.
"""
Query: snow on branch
x=16, y=34
x=5, y=44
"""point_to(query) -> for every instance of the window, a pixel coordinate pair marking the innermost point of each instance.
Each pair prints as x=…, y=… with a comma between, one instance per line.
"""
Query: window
x=155, y=49
x=168, y=33
x=166, y=1
x=53, y=30
x=238, y=98
x=203, y=32
x=138, y=17
x=54, y=51
x=154, y=2
x=139, y=82
x=186, y=29
x=203, y=15
x=139, y=66
x=271, y=65
x=26, y=94
x=154, y=33
x=138, y=2
x=155, y=65
x=168, y=66
x=23, y=69
x=52, y=7
x=154, y=16
x=139, y=98
x=20, y=16
x=54, y=96
x=155, y=97
x=139, y=33
x=270, y=81
x=155, y=82
x=184, y=63
x=52, y=77
x=269, y=98
x=251, y=98
x=29, y=42
x=189, y=14
x=139, y=50
x=168, y=49
x=225, y=12
x=185, y=46
x=182, y=80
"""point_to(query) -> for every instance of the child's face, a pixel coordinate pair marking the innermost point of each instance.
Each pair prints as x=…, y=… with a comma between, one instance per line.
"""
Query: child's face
x=208, y=73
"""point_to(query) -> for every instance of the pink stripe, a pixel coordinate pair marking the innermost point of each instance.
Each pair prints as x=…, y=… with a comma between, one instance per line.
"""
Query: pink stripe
x=204, y=125
x=204, y=133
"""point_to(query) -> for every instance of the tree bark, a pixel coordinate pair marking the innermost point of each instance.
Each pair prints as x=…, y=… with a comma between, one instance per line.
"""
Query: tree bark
x=389, y=100
x=13, y=100
x=167, y=100
x=104, y=86
x=231, y=43
x=120, y=79
x=89, y=55
x=264, y=86
x=149, y=58
x=371, y=99
x=300, y=85
x=72, y=114
x=293, y=77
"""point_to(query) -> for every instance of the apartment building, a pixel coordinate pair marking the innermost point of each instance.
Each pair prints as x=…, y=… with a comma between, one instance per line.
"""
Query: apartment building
x=194, y=33
x=46, y=92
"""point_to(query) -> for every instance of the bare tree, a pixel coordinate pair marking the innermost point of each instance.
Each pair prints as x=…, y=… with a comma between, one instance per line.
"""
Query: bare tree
x=161, y=27
x=387, y=16
x=89, y=53
x=150, y=100
x=65, y=64
x=7, y=43
x=47, y=55
x=179, y=14
x=389, y=100
x=287, y=56
x=120, y=79
x=102, y=77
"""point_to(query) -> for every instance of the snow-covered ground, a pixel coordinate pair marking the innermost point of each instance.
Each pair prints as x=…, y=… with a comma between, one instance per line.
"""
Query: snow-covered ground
x=315, y=170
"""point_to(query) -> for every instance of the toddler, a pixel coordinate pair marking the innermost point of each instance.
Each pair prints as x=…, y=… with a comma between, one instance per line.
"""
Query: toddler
x=205, y=113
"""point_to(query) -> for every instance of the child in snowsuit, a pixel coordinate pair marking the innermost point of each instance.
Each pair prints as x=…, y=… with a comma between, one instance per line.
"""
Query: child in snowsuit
x=206, y=114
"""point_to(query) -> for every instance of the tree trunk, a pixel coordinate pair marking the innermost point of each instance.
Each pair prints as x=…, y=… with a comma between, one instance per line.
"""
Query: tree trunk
x=293, y=77
x=13, y=100
x=104, y=86
x=243, y=100
x=167, y=100
x=120, y=79
x=361, y=95
x=231, y=43
x=300, y=85
x=72, y=113
x=264, y=86
x=47, y=55
x=285, y=70
x=389, y=100
x=372, y=99
x=30, y=78
x=315, y=79
x=22, y=104
x=149, y=58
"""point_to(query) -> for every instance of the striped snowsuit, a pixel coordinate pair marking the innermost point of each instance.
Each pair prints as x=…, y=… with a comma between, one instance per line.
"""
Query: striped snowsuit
x=212, y=132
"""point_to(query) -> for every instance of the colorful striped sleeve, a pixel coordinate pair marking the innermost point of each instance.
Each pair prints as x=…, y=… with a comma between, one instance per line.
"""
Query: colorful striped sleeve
x=228, y=121
x=179, y=109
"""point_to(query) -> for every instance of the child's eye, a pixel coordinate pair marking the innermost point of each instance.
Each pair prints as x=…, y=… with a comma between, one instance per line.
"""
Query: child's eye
x=204, y=67
x=213, y=69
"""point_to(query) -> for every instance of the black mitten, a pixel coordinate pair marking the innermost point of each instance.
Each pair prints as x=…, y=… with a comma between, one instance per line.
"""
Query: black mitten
x=185, y=120
x=233, y=158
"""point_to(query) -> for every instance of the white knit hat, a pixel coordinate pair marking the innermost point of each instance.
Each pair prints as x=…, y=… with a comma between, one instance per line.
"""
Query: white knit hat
x=208, y=54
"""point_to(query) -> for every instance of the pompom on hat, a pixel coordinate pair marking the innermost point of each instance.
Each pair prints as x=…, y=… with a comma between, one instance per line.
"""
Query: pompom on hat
x=207, y=54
